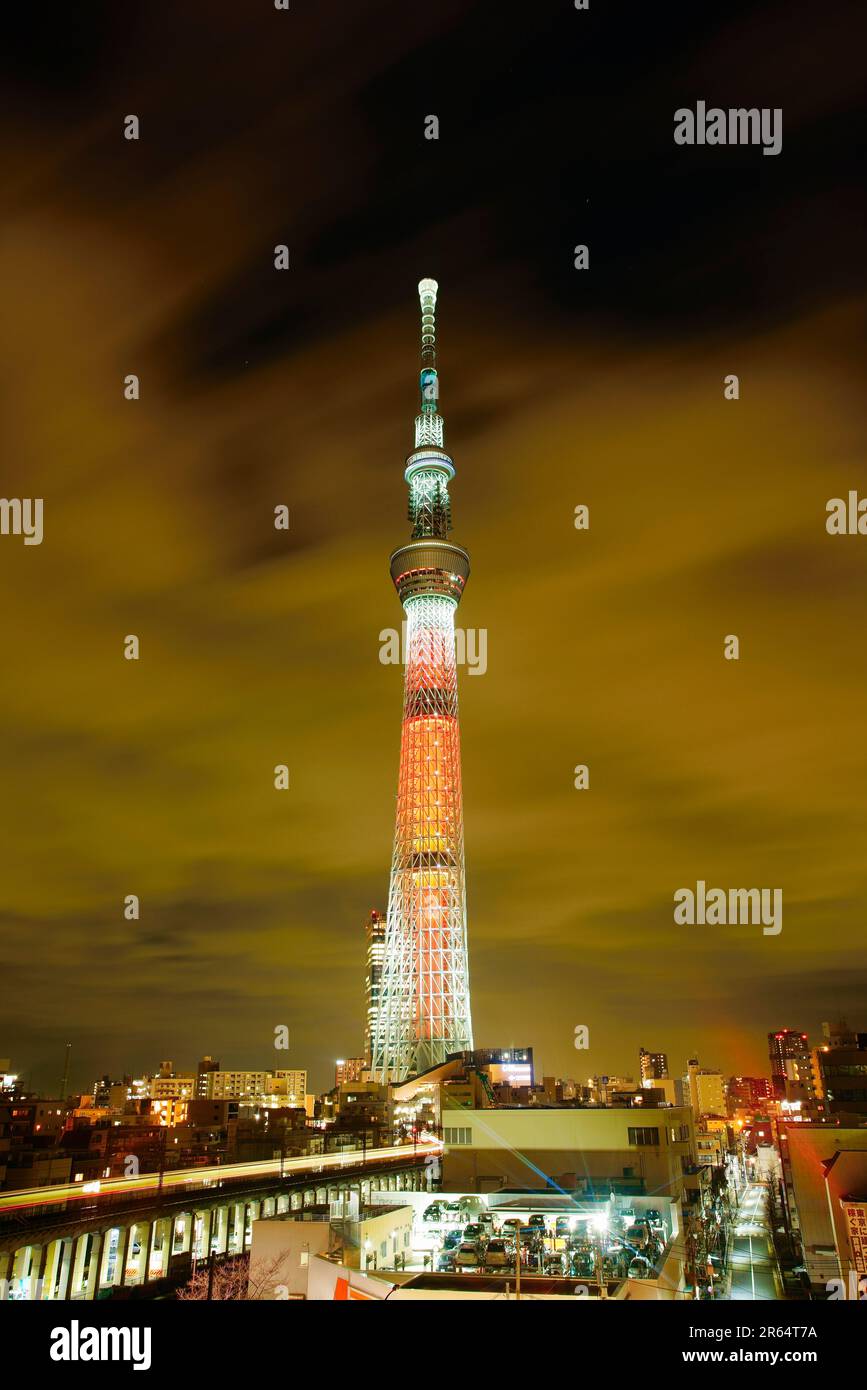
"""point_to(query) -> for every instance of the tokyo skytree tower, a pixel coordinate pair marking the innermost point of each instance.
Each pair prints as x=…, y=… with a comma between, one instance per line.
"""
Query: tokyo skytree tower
x=425, y=993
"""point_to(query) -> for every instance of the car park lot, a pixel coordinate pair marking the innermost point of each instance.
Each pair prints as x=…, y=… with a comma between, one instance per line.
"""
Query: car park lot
x=586, y=1241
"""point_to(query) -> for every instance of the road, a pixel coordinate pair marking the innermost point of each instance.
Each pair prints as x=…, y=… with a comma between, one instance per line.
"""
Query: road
x=753, y=1269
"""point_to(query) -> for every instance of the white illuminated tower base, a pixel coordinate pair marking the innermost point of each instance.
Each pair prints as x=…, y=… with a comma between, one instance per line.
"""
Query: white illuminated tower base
x=425, y=994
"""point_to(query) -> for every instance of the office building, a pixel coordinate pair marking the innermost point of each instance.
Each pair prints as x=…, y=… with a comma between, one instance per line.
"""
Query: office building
x=374, y=931
x=791, y=1066
x=750, y=1092
x=349, y=1069
x=653, y=1066
x=840, y=1071
x=706, y=1090
x=205, y=1067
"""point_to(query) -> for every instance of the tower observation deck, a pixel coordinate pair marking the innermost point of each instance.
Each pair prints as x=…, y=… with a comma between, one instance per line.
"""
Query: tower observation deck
x=424, y=1009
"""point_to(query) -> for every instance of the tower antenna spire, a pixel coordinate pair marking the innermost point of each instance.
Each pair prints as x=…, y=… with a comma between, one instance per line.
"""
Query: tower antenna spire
x=428, y=424
x=427, y=294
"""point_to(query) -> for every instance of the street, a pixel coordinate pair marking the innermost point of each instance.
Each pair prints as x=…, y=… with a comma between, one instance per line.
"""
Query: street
x=753, y=1271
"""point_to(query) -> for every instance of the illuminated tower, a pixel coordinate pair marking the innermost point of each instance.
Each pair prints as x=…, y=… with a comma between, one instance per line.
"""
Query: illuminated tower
x=424, y=1009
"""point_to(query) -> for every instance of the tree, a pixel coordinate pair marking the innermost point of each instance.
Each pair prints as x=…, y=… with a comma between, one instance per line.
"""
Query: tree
x=234, y=1279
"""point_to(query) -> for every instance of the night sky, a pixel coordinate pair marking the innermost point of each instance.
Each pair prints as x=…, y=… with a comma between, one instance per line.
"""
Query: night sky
x=559, y=387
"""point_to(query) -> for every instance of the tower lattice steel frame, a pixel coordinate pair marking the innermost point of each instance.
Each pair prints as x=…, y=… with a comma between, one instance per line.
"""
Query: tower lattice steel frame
x=425, y=990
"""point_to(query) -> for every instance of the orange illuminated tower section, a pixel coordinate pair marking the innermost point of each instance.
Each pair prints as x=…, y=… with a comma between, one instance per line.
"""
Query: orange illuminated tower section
x=424, y=1011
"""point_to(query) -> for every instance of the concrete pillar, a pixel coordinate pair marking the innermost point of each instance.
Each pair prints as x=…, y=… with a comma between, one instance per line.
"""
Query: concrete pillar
x=246, y=1221
x=150, y=1248
x=78, y=1264
x=185, y=1244
x=201, y=1246
x=239, y=1226
x=20, y=1267
x=52, y=1264
x=94, y=1265
x=157, y=1257
x=38, y=1262
x=140, y=1232
x=62, y=1290
x=124, y=1253
x=222, y=1232
x=231, y=1228
x=146, y=1236
x=109, y=1245
x=165, y=1243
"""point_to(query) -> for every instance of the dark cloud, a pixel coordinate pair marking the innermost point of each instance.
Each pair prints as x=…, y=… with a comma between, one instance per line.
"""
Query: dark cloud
x=559, y=387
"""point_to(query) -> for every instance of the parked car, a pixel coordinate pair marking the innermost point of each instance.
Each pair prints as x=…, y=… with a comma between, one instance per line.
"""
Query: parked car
x=637, y=1235
x=473, y=1232
x=446, y=1262
x=511, y=1227
x=433, y=1213
x=471, y=1206
x=452, y=1211
x=537, y=1221
x=500, y=1254
x=556, y=1262
x=486, y=1221
x=467, y=1256
x=452, y=1240
x=582, y=1264
x=532, y=1242
x=640, y=1268
x=563, y=1226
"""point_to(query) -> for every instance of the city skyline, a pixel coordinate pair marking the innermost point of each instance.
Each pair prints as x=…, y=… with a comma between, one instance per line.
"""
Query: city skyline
x=80, y=1081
